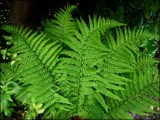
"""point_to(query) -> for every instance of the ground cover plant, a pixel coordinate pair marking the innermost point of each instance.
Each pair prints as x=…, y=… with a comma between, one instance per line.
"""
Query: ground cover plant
x=93, y=70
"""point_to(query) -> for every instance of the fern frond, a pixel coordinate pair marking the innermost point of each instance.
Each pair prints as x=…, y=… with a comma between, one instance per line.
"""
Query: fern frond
x=36, y=60
x=125, y=47
x=86, y=49
x=63, y=26
x=102, y=24
x=139, y=95
x=9, y=71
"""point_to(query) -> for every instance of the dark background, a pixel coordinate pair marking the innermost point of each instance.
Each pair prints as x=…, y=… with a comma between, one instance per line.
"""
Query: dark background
x=31, y=13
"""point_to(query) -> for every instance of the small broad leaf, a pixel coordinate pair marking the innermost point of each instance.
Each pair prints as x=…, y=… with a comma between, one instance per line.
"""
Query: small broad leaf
x=12, y=88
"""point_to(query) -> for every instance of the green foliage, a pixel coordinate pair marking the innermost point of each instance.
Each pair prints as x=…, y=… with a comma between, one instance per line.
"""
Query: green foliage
x=33, y=110
x=7, y=89
x=132, y=12
x=93, y=70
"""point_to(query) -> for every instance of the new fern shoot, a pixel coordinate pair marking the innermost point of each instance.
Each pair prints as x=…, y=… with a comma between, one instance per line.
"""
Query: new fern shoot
x=93, y=70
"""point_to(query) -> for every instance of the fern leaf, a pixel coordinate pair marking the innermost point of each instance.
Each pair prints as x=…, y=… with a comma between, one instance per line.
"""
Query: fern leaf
x=63, y=26
x=139, y=96
x=34, y=66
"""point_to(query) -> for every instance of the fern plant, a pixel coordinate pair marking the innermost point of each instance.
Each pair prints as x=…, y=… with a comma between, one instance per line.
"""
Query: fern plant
x=93, y=70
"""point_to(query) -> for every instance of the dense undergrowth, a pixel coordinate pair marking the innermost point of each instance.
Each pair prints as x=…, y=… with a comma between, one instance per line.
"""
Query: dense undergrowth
x=101, y=69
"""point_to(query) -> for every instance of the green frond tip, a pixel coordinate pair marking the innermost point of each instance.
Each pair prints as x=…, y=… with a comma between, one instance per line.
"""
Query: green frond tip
x=70, y=8
x=66, y=10
x=103, y=24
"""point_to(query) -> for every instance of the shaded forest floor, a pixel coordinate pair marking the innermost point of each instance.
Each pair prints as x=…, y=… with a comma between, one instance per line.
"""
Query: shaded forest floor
x=19, y=111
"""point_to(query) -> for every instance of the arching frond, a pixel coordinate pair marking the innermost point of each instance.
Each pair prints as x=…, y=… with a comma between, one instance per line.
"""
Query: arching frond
x=63, y=25
x=138, y=96
x=36, y=60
